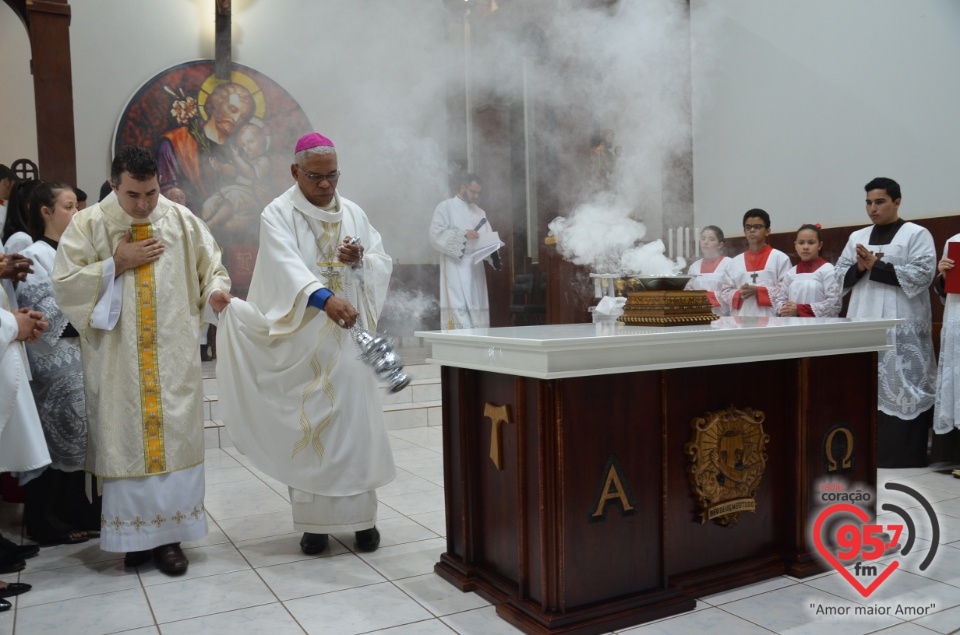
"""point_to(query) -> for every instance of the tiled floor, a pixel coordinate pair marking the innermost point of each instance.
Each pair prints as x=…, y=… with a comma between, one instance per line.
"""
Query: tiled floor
x=249, y=576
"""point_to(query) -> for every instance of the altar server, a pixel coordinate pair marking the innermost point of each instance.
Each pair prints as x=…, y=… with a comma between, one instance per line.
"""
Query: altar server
x=751, y=277
x=946, y=412
x=887, y=269
x=458, y=224
x=709, y=270
x=810, y=289
x=135, y=274
x=295, y=397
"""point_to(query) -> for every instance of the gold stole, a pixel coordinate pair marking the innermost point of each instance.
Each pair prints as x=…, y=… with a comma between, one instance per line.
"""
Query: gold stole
x=151, y=411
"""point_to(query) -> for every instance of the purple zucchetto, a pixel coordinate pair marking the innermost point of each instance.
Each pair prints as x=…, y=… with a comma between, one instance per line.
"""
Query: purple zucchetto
x=312, y=140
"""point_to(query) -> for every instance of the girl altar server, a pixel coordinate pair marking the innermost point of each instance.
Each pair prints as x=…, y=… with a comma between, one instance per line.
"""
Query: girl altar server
x=709, y=269
x=810, y=289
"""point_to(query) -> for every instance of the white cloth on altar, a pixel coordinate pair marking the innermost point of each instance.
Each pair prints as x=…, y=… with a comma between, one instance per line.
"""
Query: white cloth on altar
x=463, y=283
x=710, y=282
x=946, y=414
x=150, y=511
x=294, y=394
x=906, y=374
x=22, y=445
x=821, y=289
x=736, y=274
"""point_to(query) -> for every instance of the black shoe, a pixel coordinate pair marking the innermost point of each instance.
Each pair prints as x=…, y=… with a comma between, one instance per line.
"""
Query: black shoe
x=137, y=558
x=368, y=539
x=10, y=563
x=312, y=544
x=22, y=551
x=4, y=606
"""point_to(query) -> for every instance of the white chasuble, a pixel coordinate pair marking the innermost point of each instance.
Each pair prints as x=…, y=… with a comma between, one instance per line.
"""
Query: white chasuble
x=141, y=368
x=946, y=414
x=294, y=394
x=22, y=445
x=906, y=384
x=463, y=283
x=764, y=269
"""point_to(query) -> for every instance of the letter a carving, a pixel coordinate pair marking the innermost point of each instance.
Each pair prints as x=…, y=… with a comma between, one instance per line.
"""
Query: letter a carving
x=614, y=489
x=497, y=415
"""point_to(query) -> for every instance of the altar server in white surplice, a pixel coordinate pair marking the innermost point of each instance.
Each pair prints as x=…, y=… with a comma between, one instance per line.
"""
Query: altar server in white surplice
x=946, y=412
x=458, y=223
x=22, y=445
x=810, y=289
x=135, y=275
x=887, y=269
x=751, y=278
x=708, y=271
x=295, y=397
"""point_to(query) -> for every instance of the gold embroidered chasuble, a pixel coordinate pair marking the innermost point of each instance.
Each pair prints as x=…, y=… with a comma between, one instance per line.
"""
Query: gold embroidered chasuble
x=142, y=377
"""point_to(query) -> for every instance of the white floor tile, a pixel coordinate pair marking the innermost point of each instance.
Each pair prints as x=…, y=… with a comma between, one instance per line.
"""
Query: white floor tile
x=407, y=560
x=483, y=621
x=264, y=552
x=257, y=526
x=711, y=620
x=222, y=509
x=185, y=599
x=204, y=561
x=319, y=575
x=90, y=615
x=67, y=583
x=439, y=596
x=269, y=619
x=428, y=627
x=749, y=590
x=360, y=610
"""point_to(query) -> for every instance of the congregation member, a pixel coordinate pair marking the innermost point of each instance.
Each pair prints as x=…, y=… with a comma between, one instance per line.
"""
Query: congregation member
x=751, y=277
x=709, y=270
x=135, y=274
x=81, y=198
x=22, y=446
x=16, y=227
x=887, y=268
x=7, y=180
x=457, y=225
x=56, y=510
x=811, y=288
x=946, y=410
x=294, y=394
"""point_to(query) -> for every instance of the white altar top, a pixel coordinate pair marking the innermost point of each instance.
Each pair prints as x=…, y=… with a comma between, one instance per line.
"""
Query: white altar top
x=578, y=350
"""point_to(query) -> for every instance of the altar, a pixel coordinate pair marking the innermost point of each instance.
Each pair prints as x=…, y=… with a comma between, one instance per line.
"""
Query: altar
x=601, y=475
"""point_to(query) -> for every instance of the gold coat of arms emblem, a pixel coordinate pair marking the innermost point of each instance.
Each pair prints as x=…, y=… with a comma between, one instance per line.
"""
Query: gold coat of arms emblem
x=727, y=459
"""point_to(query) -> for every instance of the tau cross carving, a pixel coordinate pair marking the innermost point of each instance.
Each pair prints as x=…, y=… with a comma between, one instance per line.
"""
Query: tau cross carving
x=754, y=275
x=497, y=415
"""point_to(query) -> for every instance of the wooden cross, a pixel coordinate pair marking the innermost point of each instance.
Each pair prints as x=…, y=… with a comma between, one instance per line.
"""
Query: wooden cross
x=753, y=276
x=879, y=254
x=497, y=415
x=223, y=62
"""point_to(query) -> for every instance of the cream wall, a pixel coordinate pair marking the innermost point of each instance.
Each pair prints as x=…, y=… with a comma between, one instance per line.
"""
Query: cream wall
x=368, y=74
x=798, y=104
x=18, y=119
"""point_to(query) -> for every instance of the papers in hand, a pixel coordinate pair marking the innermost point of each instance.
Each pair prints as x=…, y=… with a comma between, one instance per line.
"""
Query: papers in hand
x=486, y=244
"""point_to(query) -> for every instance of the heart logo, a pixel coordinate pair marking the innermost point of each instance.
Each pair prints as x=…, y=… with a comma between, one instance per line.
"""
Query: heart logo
x=818, y=542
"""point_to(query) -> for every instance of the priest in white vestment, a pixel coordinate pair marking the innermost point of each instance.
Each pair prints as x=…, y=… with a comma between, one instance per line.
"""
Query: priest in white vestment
x=887, y=268
x=458, y=225
x=136, y=274
x=294, y=395
x=751, y=278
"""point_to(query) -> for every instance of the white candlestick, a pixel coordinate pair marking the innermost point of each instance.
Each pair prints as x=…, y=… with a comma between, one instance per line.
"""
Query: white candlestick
x=696, y=242
x=670, y=243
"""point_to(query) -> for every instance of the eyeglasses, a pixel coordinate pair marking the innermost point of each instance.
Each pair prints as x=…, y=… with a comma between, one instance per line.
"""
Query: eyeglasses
x=320, y=178
x=747, y=228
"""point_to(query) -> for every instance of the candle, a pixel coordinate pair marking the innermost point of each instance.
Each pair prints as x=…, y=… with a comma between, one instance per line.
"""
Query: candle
x=670, y=243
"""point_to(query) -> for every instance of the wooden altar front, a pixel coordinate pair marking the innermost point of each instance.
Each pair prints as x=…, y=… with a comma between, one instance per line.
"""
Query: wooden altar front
x=568, y=456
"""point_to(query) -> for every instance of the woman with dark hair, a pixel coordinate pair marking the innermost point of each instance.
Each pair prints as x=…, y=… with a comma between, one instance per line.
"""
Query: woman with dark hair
x=16, y=228
x=709, y=269
x=56, y=510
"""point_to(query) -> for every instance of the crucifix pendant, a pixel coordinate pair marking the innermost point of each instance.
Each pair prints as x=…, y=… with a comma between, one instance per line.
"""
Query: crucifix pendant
x=333, y=272
x=753, y=276
x=878, y=255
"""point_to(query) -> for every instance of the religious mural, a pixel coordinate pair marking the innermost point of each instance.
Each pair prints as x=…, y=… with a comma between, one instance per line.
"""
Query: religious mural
x=226, y=144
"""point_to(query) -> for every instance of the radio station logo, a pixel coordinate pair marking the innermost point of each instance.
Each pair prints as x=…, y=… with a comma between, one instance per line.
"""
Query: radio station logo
x=861, y=543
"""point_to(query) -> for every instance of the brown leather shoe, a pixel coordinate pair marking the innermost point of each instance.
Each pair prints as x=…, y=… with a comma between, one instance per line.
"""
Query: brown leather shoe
x=170, y=558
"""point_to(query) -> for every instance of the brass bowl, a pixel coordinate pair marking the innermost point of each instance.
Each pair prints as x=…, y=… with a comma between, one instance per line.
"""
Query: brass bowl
x=663, y=283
